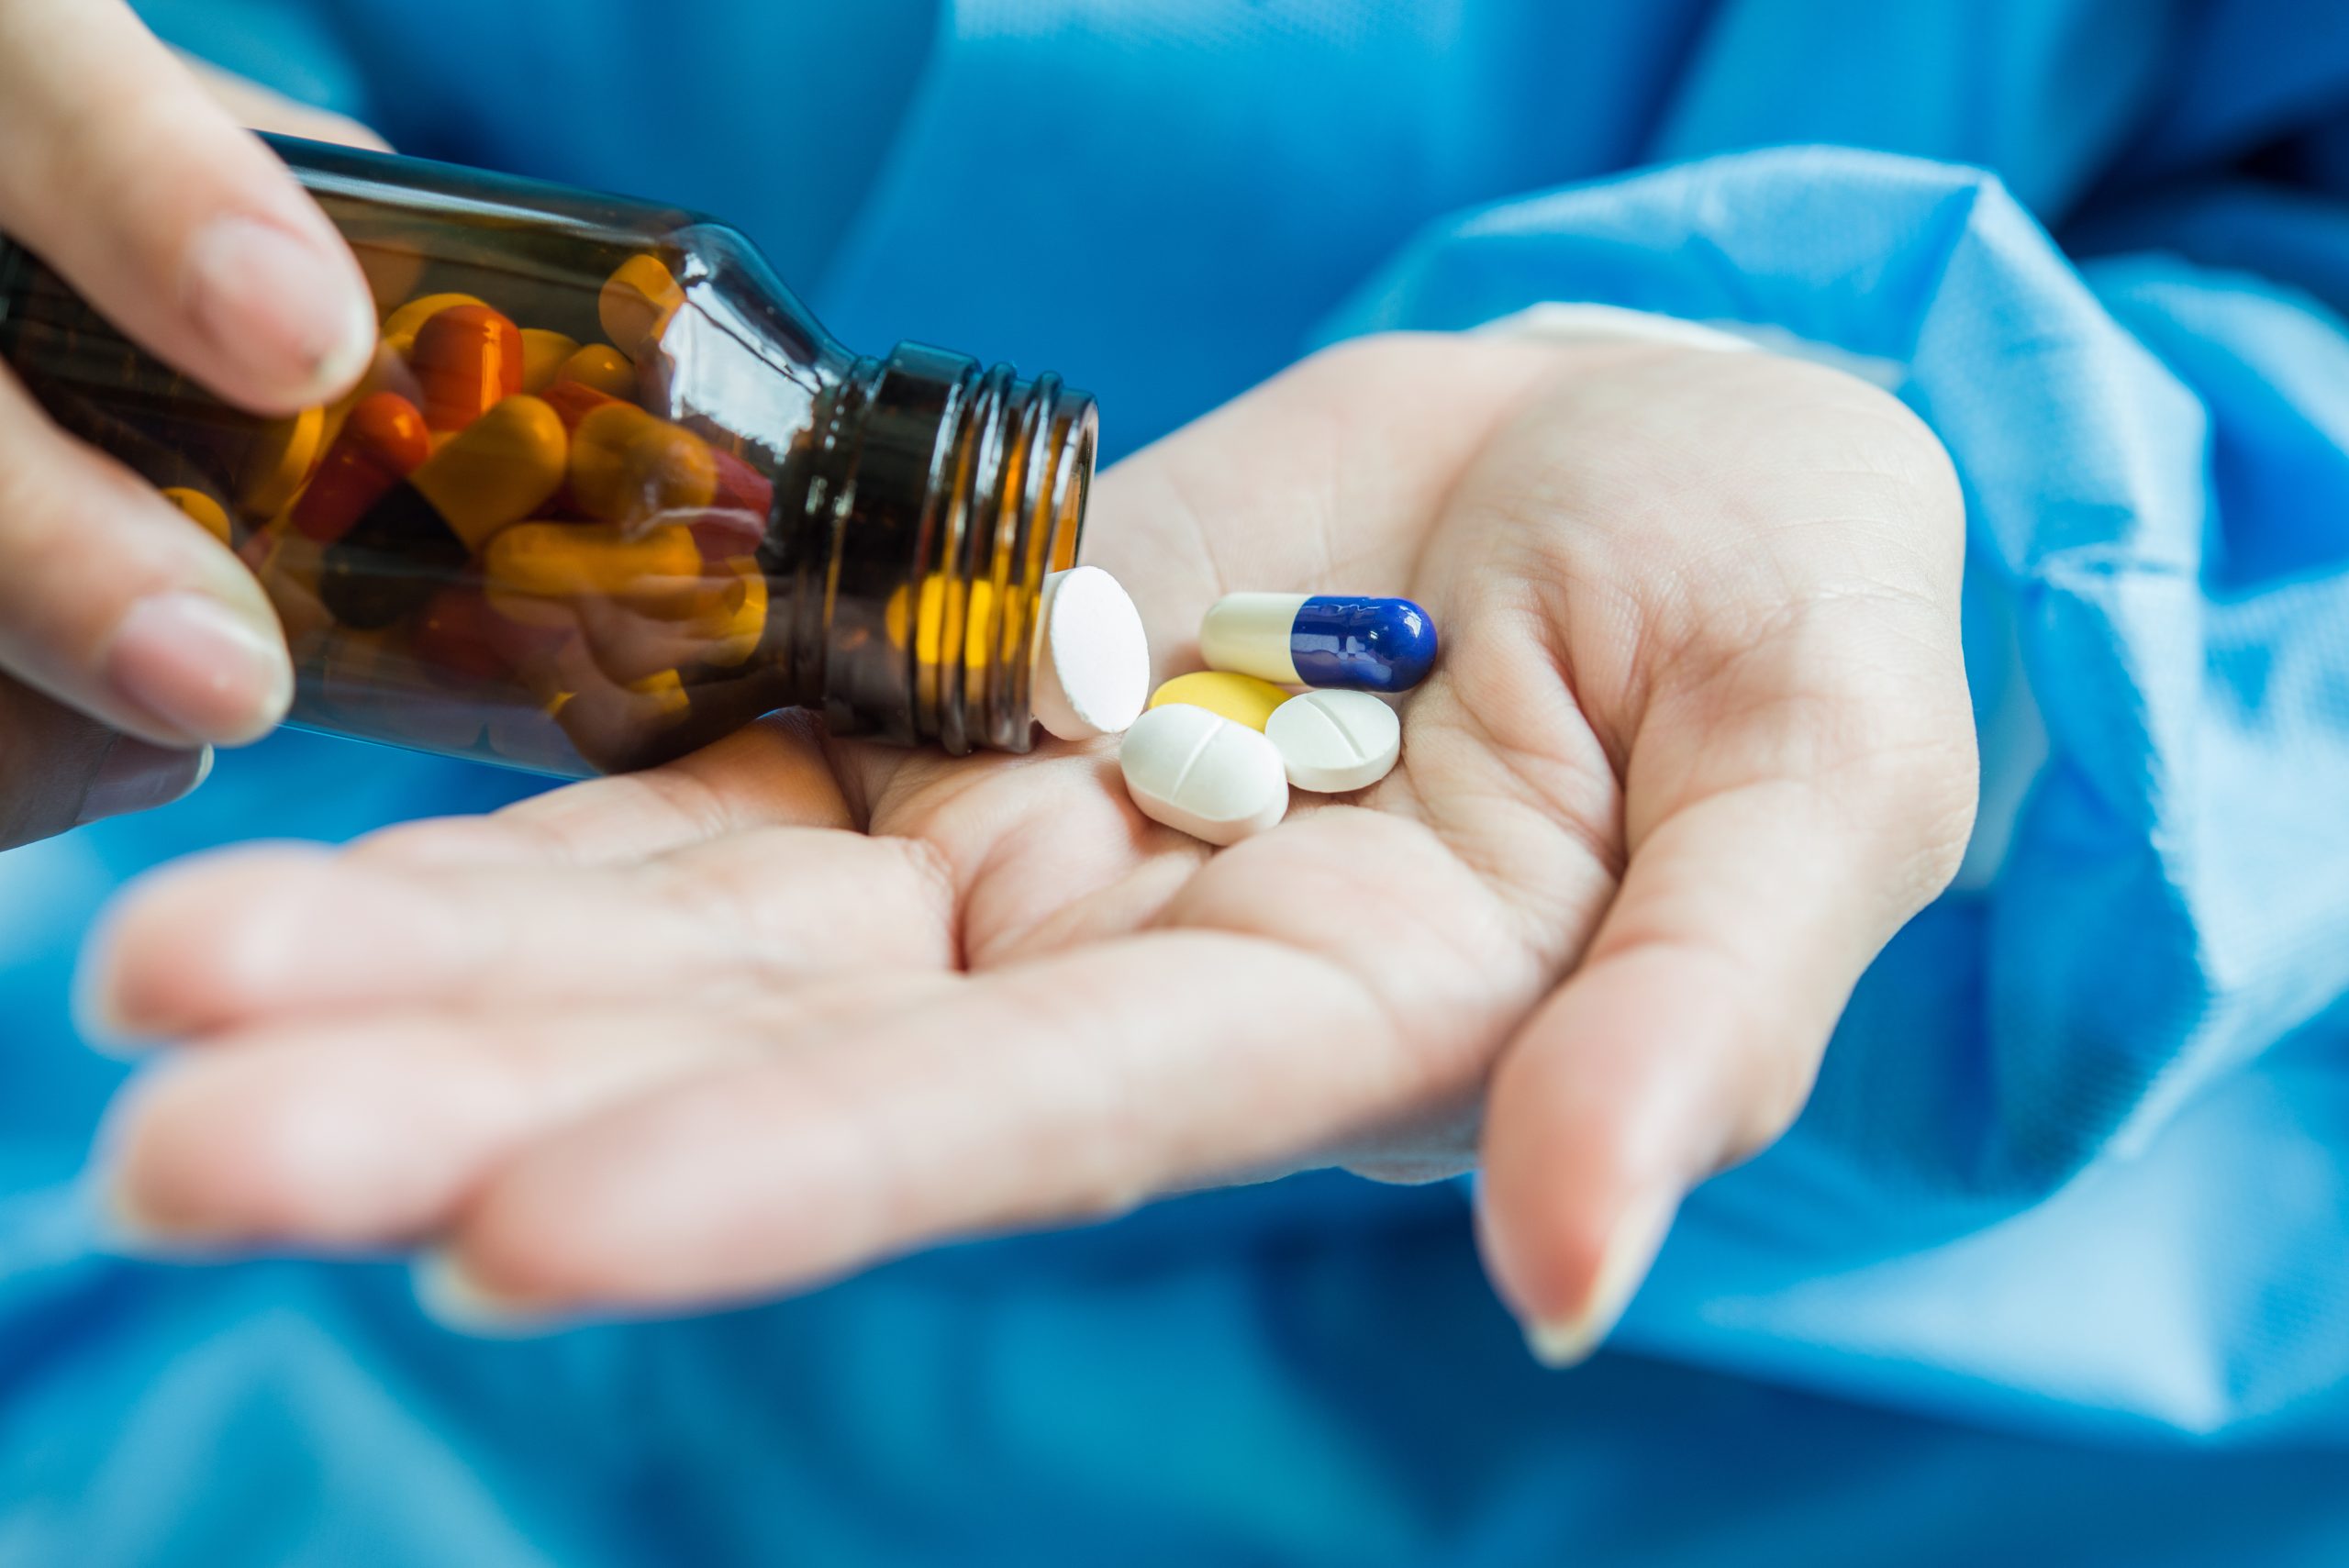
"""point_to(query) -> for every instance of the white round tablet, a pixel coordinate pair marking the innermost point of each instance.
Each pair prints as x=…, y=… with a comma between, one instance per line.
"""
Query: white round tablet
x=1092, y=670
x=1333, y=742
x=1198, y=772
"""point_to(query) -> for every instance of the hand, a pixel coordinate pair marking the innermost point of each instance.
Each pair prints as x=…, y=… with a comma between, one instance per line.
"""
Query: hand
x=117, y=615
x=1699, y=741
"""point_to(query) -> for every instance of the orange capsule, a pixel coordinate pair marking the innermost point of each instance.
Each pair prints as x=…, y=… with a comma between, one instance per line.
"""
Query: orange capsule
x=467, y=356
x=566, y=561
x=381, y=443
x=636, y=304
x=603, y=367
x=627, y=466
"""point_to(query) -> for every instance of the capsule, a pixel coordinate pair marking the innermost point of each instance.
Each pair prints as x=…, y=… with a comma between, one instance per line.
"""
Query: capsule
x=544, y=353
x=203, y=509
x=469, y=358
x=636, y=304
x=561, y=560
x=627, y=466
x=1320, y=639
x=380, y=443
x=406, y=322
x=601, y=366
x=422, y=531
x=280, y=461
x=498, y=471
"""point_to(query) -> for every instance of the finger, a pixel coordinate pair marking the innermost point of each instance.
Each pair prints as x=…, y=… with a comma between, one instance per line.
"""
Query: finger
x=372, y=1135
x=1066, y=1087
x=60, y=769
x=180, y=228
x=1687, y=1038
x=776, y=772
x=257, y=108
x=114, y=602
x=296, y=930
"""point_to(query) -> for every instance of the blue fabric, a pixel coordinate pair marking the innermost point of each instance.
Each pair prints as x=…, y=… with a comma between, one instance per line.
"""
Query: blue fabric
x=2073, y=1180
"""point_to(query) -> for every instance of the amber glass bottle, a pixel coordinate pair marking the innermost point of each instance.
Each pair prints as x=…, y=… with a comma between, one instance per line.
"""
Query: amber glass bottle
x=608, y=491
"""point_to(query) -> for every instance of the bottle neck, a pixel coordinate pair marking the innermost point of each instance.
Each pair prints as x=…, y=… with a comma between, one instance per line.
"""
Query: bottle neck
x=915, y=525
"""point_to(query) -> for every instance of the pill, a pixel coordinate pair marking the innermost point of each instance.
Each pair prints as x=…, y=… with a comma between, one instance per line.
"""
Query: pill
x=556, y=561
x=468, y=358
x=636, y=304
x=497, y=471
x=1333, y=742
x=382, y=442
x=1321, y=640
x=745, y=623
x=456, y=636
x=543, y=353
x=1091, y=672
x=406, y=322
x=1243, y=699
x=742, y=488
x=574, y=400
x=203, y=509
x=281, y=458
x=603, y=367
x=627, y=466
x=1199, y=773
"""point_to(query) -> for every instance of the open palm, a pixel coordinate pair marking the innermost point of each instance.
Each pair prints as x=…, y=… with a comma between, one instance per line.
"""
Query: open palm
x=1698, y=744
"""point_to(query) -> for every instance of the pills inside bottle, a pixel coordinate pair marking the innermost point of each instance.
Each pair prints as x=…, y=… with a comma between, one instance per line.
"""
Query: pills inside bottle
x=606, y=492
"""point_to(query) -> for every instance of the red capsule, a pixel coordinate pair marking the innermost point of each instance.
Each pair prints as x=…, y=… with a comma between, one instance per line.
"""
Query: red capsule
x=383, y=442
x=468, y=357
x=574, y=400
x=459, y=637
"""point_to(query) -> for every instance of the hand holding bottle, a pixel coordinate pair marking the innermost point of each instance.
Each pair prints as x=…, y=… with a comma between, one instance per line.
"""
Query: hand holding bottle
x=1698, y=742
x=120, y=170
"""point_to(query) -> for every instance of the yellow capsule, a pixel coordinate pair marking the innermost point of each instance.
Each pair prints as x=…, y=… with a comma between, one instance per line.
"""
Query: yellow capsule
x=558, y=561
x=636, y=304
x=543, y=356
x=667, y=690
x=746, y=623
x=498, y=469
x=603, y=367
x=1243, y=699
x=403, y=322
x=203, y=509
x=627, y=466
x=281, y=460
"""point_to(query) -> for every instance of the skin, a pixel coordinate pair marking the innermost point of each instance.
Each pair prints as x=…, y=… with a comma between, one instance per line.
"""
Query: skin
x=131, y=641
x=1698, y=743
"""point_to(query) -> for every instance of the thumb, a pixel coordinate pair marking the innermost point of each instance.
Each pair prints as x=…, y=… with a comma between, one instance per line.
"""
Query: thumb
x=1688, y=1037
x=125, y=177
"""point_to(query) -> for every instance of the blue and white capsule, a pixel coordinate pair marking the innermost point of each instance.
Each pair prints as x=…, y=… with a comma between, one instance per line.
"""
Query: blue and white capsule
x=1320, y=639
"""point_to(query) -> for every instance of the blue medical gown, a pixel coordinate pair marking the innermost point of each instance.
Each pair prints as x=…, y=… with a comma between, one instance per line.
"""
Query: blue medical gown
x=2053, y=1267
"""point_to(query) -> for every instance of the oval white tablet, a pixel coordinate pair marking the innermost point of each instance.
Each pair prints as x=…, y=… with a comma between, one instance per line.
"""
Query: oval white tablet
x=1199, y=773
x=1333, y=742
x=1092, y=670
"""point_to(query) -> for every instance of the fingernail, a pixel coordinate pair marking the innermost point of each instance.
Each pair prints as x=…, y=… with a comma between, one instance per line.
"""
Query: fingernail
x=123, y=1228
x=453, y=1296
x=286, y=309
x=199, y=668
x=1638, y=1235
x=137, y=776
